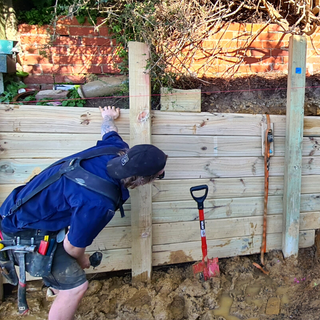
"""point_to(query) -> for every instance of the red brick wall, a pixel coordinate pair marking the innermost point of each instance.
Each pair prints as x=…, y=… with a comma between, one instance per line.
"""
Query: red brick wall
x=79, y=51
x=76, y=52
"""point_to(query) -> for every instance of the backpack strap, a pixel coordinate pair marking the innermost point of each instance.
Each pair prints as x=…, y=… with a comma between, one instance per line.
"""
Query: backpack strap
x=72, y=170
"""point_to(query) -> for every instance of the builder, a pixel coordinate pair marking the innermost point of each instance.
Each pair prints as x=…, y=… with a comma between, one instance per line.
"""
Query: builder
x=60, y=212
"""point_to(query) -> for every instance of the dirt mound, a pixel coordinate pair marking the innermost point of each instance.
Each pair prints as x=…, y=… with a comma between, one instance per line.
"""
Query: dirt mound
x=290, y=291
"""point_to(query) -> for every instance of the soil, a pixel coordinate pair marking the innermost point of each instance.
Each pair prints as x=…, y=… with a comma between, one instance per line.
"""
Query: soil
x=290, y=290
x=253, y=94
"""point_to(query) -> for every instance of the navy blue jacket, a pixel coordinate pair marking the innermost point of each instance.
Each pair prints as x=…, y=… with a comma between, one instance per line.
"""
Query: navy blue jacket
x=65, y=203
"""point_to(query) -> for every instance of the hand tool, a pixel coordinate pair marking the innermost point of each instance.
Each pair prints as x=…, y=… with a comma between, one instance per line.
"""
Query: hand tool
x=268, y=139
x=95, y=259
x=21, y=250
x=208, y=267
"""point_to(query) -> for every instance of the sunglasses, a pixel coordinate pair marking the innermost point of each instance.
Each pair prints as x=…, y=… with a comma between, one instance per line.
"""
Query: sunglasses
x=160, y=176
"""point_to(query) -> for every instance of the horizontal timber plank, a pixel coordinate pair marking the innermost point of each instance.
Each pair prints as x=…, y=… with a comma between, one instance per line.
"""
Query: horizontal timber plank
x=220, y=188
x=120, y=259
x=226, y=228
x=56, y=145
x=22, y=170
x=222, y=248
x=175, y=232
x=176, y=211
x=23, y=118
x=19, y=118
x=48, y=145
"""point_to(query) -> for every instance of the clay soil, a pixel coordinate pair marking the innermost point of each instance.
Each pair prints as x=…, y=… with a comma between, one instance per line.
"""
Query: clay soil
x=290, y=290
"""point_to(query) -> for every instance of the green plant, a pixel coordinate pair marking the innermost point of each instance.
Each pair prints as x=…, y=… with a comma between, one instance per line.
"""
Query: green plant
x=74, y=99
x=11, y=87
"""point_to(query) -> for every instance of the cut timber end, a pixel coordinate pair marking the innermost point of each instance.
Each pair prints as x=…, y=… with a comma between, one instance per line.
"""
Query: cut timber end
x=180, y=100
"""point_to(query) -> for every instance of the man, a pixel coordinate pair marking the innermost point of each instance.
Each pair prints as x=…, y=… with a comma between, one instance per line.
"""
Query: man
x=72, y=203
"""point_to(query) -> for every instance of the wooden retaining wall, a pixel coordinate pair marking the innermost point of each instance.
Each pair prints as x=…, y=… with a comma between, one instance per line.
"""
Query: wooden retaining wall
x=220, y=150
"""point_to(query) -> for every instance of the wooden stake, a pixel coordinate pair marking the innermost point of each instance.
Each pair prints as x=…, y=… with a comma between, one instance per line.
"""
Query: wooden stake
x=293, y=149
x=140, y=133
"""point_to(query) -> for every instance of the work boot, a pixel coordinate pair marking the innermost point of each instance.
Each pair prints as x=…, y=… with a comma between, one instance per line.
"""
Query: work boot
x=50, y=296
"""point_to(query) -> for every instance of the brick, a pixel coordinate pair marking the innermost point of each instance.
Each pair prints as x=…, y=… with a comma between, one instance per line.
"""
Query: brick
x=47, y=68
x=279, y=52
x=45, y=29
x=29, y=49
x=35, y=59
x=34, y=39
x=96, y=41
x=26, y=29
x=254, y=27
x=268, y=36
x=59, y=30
x=228, y=60
x=312, y=59
x=237, y=27
x=316, y=37
x=82, y=31
x=61, y=40
x=59, y=50
x=87, y=69
x=110, y=69
x=227, y=45
x=241, y=43
x=69, y=60
x=260, y=52
x=32, y=69
x=86, y=50
x=39, y=79
x=260, y=68
x=258, y=44
x=70, y=78
x=283, y=45
x=106, y=49
x=244, y=68
x=274, y=27
x=280, y=67
x=62, y=69
x=272, y=60
x=209, y=43
x=251, y=60
x=105, y=32
x=62, y=30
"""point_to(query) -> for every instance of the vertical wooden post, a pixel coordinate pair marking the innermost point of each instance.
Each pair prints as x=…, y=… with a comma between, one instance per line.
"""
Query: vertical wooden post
x=294, y=136
x=140, y=133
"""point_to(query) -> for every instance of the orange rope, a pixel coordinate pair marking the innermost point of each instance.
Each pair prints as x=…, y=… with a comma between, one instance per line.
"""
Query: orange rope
x=266, y=188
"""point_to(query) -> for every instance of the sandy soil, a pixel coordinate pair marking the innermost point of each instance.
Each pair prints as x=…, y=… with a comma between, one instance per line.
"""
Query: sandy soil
x=291, y=290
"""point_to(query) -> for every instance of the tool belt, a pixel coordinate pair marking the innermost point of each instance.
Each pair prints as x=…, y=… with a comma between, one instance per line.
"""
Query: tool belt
x=36, y=264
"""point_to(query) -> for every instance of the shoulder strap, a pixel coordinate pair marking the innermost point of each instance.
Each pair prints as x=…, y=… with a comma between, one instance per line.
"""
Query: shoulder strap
x=72, y=170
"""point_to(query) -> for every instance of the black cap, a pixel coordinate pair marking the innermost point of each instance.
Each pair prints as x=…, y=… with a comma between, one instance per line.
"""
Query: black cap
x=141, y=160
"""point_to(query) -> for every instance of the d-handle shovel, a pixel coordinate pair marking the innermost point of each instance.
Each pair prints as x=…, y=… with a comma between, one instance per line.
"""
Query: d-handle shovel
x=209, y=267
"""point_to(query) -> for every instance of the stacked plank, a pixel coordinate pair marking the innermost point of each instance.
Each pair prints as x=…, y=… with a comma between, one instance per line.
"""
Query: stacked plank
x=223, y=151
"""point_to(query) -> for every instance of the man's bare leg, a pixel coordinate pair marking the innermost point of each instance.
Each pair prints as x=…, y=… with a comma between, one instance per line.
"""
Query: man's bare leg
x=66, y=303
